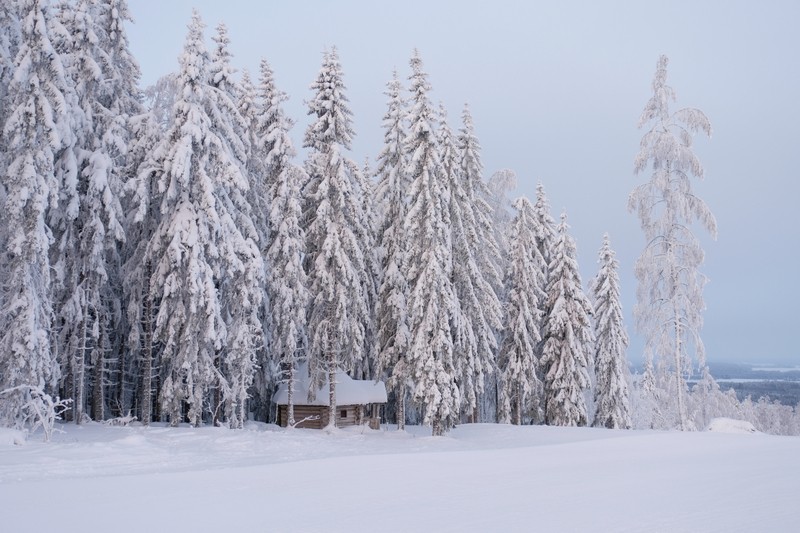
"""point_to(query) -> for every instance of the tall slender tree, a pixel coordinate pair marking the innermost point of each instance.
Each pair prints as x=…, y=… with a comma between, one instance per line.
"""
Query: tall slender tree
x=525, y=284
x=669, y=295
x=612, y=409
x=36, y=128
x=198, y=244
x=143, y=216
x=432, y=299
x=280, y=186
x=568, y=336
x=392, y=305
x=339, y=307
x=545, y=231
x=105, y=76
x=481, y=303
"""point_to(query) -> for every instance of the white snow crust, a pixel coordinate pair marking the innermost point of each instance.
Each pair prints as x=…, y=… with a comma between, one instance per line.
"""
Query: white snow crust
x=730, y=425
x=481, y=477
x=349, y=391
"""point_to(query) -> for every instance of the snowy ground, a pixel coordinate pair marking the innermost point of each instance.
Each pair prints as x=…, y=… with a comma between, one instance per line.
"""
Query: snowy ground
x=481, y=477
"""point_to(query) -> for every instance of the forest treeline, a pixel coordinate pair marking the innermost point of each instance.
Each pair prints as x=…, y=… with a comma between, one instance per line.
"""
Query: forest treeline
x=166, y=255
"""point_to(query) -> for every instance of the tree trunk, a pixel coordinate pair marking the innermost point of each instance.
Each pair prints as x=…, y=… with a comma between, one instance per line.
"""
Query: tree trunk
x=80, y=368
x=401, y=408
x=678, y=376
x=147, y=346
x=518, y=406
x=436, y=426
x=290, y=398
x=98, y=403
x=332, y=395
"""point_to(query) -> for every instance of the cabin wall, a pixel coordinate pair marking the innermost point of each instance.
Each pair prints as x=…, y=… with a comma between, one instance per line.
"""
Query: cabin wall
x=304, y=411
x=346, y=415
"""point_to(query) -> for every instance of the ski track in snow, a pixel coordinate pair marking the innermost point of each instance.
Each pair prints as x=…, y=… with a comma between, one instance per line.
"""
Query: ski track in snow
x=482, y=477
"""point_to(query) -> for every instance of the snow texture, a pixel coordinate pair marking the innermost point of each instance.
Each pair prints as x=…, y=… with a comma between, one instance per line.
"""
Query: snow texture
x=349, y=391
x=479, y=478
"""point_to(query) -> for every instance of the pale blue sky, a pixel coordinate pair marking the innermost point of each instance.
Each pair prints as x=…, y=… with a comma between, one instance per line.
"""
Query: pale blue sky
x=556, y=89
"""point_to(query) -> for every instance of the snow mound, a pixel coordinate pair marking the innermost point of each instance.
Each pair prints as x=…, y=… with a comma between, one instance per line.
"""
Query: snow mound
x=730, y=425
x=11, y=437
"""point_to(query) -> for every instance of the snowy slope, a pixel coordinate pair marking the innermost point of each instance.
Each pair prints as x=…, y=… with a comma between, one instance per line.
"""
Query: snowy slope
x=478, y=478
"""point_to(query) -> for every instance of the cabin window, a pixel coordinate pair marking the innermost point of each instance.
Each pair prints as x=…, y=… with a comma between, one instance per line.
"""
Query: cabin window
x=343, y=413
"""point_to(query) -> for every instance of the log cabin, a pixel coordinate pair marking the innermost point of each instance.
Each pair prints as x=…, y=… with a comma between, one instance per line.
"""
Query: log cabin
x=357, y=402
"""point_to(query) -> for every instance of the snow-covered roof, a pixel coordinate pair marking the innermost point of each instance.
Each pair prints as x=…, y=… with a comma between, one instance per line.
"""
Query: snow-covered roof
x=349, y=391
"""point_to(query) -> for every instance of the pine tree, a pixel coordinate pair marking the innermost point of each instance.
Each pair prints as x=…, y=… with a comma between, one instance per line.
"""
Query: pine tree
x=525, y=285
x=545, y=231
x=392, y=194
x=669, y=295
x=287, y=280
x=105, y=76
x=143, y=215
x=36, y=128
x=198, y=245
x=611, y=388
x=432, y=298
x=243, y=295
x=568, y=336
x=339, y=307
x=121, y=101
x=479, y=301
x=9, y=44
x=366, y=234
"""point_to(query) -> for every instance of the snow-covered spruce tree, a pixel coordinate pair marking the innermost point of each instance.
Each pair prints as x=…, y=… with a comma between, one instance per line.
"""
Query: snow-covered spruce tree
x=339, y=307
x=121, y=101
x=525, y=286
x=471, y=367
x=487, y=250
x=36, y=128
x=669, y=295
x=142, y=203
x=612, y=409
x=105, y=77
x=287, y=280
x=545, y=225
x=9, y=44
x=567, y=336
x=243, y=295
x=366, y=233
x=479, y=302
x=197, y=245
x=392, y=197
x=432, y=302
x=545, y=231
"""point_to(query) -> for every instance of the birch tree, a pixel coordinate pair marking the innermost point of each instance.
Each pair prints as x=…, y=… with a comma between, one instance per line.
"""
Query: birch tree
x=669, y=295
x=612, y=406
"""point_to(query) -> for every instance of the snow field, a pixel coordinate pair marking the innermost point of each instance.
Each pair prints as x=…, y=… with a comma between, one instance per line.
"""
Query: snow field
x=482, y=477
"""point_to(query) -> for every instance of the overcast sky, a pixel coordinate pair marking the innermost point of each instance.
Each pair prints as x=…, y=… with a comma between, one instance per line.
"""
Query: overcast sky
x=556, y=89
